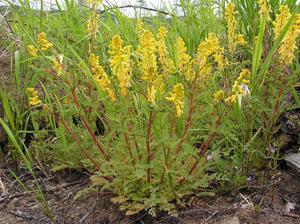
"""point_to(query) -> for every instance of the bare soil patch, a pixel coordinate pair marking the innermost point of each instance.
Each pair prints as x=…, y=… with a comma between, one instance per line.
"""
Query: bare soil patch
x=265, y=204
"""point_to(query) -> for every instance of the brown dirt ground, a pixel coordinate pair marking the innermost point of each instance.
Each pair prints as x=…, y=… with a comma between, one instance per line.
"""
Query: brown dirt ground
x=266, y=204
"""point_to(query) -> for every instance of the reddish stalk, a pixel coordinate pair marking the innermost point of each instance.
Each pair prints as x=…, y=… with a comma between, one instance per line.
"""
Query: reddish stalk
x=148, y=140
x=100, y=146
x=274, y=114
x=203, y=148
x=129, y=148
x=188, y=120
x=75, y=138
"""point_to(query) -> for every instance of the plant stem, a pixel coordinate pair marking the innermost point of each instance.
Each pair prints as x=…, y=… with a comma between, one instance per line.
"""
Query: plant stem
x=188, y=120
x=203, y=148
x=148, y=140
x=129, y=148
x=75, y=138
x=100, y=146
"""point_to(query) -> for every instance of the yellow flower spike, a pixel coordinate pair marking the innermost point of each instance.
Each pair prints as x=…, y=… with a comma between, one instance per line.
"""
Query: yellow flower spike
x=206, y=49
x=219, y=59
x=231, y=25
x=209, y=46
x=151, y=91
x=32, y=51
x=101, y=76
x=239, y=87
x=264, y=9
x=281, y=20
x=219, y=96
x=58, y=64
x=120, y=63
x=92, y=25
x=43, y=42
x=233, y=38
x=176, y=96
x=159, y=84
x=289, y=45
x=185, y=64
x=140, y=26
x=240, y=40
x=232, y=99
x=147, y=52
x=33, y=97
x=166, y=62
x=96, y=2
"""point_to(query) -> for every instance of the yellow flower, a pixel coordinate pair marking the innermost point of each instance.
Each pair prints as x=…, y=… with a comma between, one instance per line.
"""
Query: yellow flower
x=206, y=49
x=219, y=59
x=237, y=89
x=33, y=97
x=239, y=39
x=231, y=25
x=120, y=63
x=233, y=38
x=92, y=25
x=151, y=91
x=264, y=9
x=289, y=45
x=159, y=84
x=219, y=96
x=176, y=96
x=140, y=26
x=232, y=99
x=57, y=64
x=281, y=20
x=43, y=42
x=185, y=63
x=146, y=52
x=101, y=76
x=95, y=2
x=32, y=51
x=166, y=62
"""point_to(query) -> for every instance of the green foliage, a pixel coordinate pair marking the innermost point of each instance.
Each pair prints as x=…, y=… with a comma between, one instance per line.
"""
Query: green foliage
x=144, y=152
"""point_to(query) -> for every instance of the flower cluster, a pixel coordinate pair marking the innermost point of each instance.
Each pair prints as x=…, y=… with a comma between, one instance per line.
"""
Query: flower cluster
x=219, y=96
x=239, y=86
x=120, y=63
x=167, y=64
x=147, y=51
x=185, y=62
x=176, y=96
x=264, y=9
x=281, y=20
x=289, y=44
x=92, y=25
x=209, y=47
x=33, y=97
x=101, y=76
x=233, y=38
x=57, y=64
x=43, y=42
x=32, y=51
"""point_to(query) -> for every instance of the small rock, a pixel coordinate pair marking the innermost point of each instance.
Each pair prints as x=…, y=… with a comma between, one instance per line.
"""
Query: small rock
x=293, y=160
x=230, y=220
x=289, y=207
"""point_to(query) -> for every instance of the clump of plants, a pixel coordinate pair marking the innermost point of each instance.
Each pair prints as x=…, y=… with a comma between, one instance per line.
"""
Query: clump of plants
x=154, y=122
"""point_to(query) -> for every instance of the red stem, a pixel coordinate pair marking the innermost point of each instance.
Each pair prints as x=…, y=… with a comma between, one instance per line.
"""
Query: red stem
x=203, y=148
x=76, y=139
x=129, y=148
x=188, y=120
x=100, y=146
x=148, y=140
